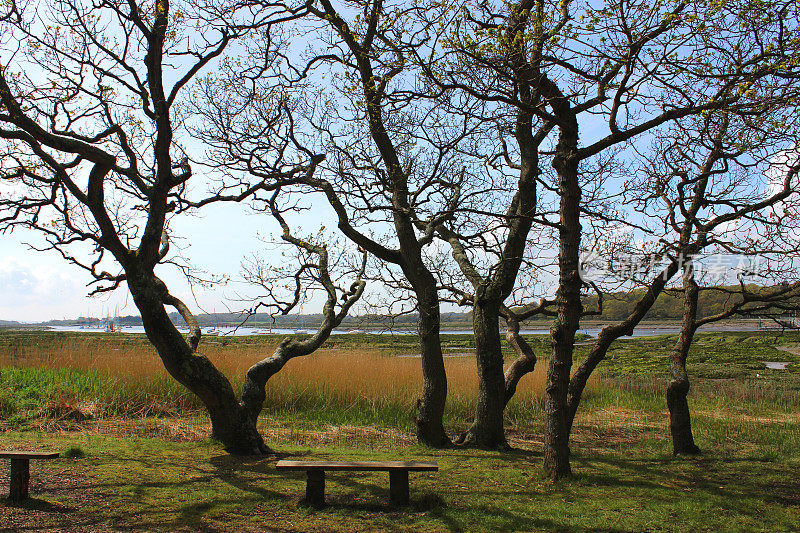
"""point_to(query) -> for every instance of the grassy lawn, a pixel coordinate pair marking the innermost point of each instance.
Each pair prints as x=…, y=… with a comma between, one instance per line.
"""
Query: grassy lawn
x=138, y=483
x=129, y=469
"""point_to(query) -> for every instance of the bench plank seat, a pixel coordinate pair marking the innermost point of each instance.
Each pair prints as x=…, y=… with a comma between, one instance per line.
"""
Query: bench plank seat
x=20, y=472
x=375, y=466
x=398, y=475
x=28, y=455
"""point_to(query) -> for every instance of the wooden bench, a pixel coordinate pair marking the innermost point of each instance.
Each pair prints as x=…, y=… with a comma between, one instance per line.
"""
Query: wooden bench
x=398, y=475
x=20, y=471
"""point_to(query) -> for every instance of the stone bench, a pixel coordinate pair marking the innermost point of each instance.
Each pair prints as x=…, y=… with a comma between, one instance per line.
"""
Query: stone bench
x=398, y=475
x=20, y=471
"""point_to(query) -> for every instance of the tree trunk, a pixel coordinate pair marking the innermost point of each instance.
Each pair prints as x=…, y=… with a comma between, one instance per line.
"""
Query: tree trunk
x=525, y=361
x=487, y=427
x=430, y=407
x=556, y=436
x=238, y=432
x=680, y=423
x=568, y=300
x=230, y=422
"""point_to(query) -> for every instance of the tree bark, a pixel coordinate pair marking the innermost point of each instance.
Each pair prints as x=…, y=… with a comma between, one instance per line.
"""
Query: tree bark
x=568, y=300
x=525, y=361
x=238, y=432
x=487, y=427
x=495, y=387
x=680, y=423
x=430, y=407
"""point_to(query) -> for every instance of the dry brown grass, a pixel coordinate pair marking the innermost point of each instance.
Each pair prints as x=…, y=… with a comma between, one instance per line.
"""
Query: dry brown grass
x=368, y=375
x=363, y=377
x=114, y=358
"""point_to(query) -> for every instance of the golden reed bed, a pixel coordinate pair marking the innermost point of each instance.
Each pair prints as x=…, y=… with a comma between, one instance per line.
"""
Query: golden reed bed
x=340, y=375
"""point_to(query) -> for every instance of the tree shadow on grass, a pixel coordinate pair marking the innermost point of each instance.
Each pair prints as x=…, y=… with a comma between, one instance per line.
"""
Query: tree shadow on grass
x=192, y=515
x=228, y=469
x=128, y=514
x=505, y=520
x=37, y=504
x=36, y=514
x=508, y=455
x=740, y=489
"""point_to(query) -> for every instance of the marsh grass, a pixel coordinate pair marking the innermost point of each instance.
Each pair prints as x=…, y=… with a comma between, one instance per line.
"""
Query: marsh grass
x=364, y=380
x=148, y=464
x=123, y=376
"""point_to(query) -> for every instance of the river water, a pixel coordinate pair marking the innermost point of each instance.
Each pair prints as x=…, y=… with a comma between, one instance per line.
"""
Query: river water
x=227, y=331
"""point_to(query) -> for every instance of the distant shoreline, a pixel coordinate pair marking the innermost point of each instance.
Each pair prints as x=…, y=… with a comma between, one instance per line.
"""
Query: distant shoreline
x=591, y=328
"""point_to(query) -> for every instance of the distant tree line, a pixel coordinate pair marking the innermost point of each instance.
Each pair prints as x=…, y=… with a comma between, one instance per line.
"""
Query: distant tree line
x=616, y=306
x=669, y=304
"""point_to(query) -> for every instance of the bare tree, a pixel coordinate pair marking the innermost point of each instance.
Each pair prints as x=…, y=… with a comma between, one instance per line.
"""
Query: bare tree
x=92, y=128
x=729, y=184
x=392, y=171
x=314, y=269
x=745, y=300
x=706, y=175
x=490, y=291
x=634, y=67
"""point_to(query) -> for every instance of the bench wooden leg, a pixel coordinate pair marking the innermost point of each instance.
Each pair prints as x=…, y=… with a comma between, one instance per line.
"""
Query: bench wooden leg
x=20, y=474
x=315, y=487
x=398, y=487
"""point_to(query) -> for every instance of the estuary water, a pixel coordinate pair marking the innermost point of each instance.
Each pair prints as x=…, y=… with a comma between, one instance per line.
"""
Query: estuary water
x=228, y=331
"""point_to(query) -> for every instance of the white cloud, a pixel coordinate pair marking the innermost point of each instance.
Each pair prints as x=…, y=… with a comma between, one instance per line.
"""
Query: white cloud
x=33, y=289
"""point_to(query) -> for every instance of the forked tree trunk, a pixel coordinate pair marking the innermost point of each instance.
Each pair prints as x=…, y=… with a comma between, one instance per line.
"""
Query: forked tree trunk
x=230, y=422
x=609, y=335
x=494, y=388
x=234, y=423
x=238, y=432
x=680, y=423
x=487, y=430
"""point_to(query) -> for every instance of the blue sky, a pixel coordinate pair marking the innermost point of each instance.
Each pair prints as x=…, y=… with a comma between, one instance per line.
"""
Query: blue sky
x=38, y=286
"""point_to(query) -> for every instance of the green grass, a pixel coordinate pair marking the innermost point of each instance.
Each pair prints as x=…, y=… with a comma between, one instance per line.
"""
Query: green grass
x=27, y=389
x=130, y=470
x=27, y=393
x=155, y=485
x=713, y=355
